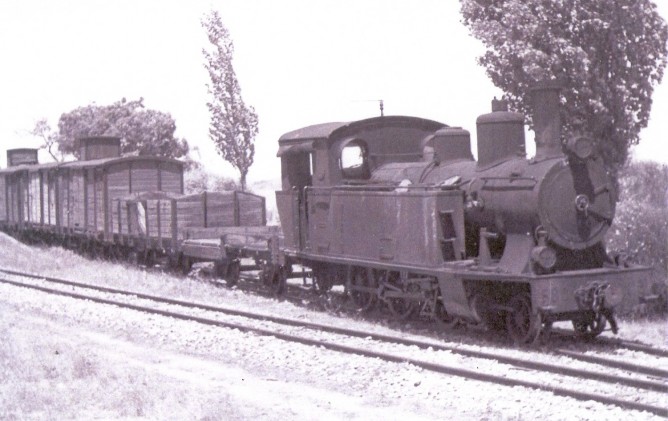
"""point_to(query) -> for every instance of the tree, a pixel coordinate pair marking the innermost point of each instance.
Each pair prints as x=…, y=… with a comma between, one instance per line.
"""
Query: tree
x=142, y=131
x=233, y=125
x=608, y=54
x=197, y=180
x=640, y=229
x=49, y=137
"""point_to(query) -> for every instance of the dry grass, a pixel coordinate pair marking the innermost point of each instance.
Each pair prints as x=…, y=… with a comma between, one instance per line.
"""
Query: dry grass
x=45, y=376
x=59, y=262
x=647, y=330
x=55, y=377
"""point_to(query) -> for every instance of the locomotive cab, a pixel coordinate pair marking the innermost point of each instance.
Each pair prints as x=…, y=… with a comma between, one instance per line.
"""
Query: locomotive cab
x=325, y=156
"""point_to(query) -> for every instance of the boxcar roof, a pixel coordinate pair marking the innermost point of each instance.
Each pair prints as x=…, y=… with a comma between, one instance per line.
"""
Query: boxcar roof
x=23, y=167
x=108, y=161
x=48, y=165
x=86, y=164
x=302, y=139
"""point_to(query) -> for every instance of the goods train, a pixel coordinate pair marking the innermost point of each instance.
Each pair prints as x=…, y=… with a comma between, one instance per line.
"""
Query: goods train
x=394, y=208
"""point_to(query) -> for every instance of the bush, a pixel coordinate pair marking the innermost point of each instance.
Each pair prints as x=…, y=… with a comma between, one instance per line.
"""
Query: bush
x=197, y=180
x=640, y=229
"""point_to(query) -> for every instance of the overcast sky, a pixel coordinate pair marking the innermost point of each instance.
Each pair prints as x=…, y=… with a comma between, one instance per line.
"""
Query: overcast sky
x=299, y=62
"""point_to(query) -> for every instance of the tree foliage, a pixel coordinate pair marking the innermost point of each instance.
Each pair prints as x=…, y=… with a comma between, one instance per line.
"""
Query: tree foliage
x=609, y=54
x=640, y=229
x=233, y=125
x=142, y=131
x=197, y=180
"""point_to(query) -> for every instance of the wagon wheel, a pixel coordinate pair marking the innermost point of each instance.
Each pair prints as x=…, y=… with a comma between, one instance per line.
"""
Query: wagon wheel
x=522, y=321
x=333, y=300
x=443, y=318
x=590, y=327
x=149, y=259
x=278, y=281
x=173, y=261
x=323, y=285
x=233, y=273
x=400, y=307
x=363, y=288
x=133, y=257
x=186, y=265
x=323, y=279
x=112, y=252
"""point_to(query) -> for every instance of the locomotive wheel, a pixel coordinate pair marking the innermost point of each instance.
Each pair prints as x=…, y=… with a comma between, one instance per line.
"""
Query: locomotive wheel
x=363, y=288
x=443, y=319
x=233, y=272
x=400, y=307
x=522, y=322
x=590, y=328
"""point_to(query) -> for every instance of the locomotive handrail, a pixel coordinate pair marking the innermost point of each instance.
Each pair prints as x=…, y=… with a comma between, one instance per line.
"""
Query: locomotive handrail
x=511, y=178
x=524, y=183
x=383, y=187
x=396, y=154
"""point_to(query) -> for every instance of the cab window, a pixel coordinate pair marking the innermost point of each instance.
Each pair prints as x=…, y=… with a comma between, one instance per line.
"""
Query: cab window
x=354, y=160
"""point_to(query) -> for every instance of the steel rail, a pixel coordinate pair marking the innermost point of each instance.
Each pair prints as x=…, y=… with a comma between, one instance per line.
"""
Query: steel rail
x=630, y=345
x=439, y=368
x=651, y=371
x=518, y=362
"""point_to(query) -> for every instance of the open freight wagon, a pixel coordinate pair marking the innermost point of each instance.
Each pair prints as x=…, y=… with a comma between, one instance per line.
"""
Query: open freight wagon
x=162, y=221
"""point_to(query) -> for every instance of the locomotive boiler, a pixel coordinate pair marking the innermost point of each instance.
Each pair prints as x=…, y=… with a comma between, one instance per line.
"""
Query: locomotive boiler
x=398, y=211
x=563, y=199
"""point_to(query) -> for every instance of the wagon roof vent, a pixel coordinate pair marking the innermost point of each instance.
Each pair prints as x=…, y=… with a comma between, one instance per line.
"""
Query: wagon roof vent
x=21, y=156
x=99, y=147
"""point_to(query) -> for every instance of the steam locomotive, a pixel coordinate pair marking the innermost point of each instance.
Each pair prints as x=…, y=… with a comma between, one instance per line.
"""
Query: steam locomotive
x=395, y=209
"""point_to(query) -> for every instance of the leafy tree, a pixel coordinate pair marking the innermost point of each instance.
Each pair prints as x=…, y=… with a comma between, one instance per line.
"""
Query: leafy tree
x=609, y=54
x=640, y=230
x=197, y=180
x=50, y=138
x=142, y=131
x=233, y=125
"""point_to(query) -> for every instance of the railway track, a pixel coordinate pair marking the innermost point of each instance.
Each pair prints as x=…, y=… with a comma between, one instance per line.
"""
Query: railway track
x=643, y=379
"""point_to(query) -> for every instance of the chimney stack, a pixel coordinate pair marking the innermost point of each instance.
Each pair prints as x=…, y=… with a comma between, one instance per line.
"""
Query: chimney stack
x=546, y=118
